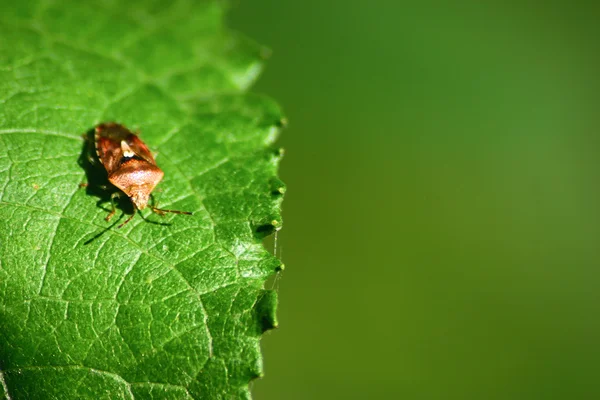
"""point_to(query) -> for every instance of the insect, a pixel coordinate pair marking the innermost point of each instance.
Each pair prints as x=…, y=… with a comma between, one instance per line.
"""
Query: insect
x=130, y=167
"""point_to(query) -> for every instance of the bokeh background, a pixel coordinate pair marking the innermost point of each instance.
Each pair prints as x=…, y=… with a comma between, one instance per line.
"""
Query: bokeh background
x=442, y=219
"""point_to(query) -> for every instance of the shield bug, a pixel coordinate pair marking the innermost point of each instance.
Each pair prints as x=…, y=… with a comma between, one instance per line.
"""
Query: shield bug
x=130, y=167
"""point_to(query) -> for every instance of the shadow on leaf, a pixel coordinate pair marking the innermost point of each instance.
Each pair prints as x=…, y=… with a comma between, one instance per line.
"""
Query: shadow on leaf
x=97, y=183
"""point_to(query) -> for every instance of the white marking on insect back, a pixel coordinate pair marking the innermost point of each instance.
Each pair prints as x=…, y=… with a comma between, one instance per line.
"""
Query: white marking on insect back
x=127, y=152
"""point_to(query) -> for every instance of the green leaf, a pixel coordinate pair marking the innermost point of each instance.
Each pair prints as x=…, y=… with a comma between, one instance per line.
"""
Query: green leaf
x=167, y=307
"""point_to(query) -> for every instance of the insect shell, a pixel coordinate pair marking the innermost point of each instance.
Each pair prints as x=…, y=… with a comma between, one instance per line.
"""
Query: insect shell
x=130, y=166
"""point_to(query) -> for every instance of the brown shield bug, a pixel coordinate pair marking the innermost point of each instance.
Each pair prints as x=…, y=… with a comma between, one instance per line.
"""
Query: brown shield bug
x=130, y=166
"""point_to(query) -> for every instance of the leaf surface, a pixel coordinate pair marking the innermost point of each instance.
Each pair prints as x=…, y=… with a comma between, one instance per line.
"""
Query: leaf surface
x=167, y=307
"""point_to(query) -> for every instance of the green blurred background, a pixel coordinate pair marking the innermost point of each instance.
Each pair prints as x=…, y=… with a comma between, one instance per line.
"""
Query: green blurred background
x=442, y=217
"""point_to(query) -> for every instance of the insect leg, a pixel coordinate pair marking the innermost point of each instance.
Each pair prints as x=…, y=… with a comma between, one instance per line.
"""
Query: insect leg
x=114, y=208
x=102, y=187
x=91, y=150
x=162, y=212
x=127, y=220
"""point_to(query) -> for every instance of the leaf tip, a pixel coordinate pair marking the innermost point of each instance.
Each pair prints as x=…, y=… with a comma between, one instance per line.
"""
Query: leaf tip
x=265, y=311
x=265, y=53
x=282, y=122
x=277, y=187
